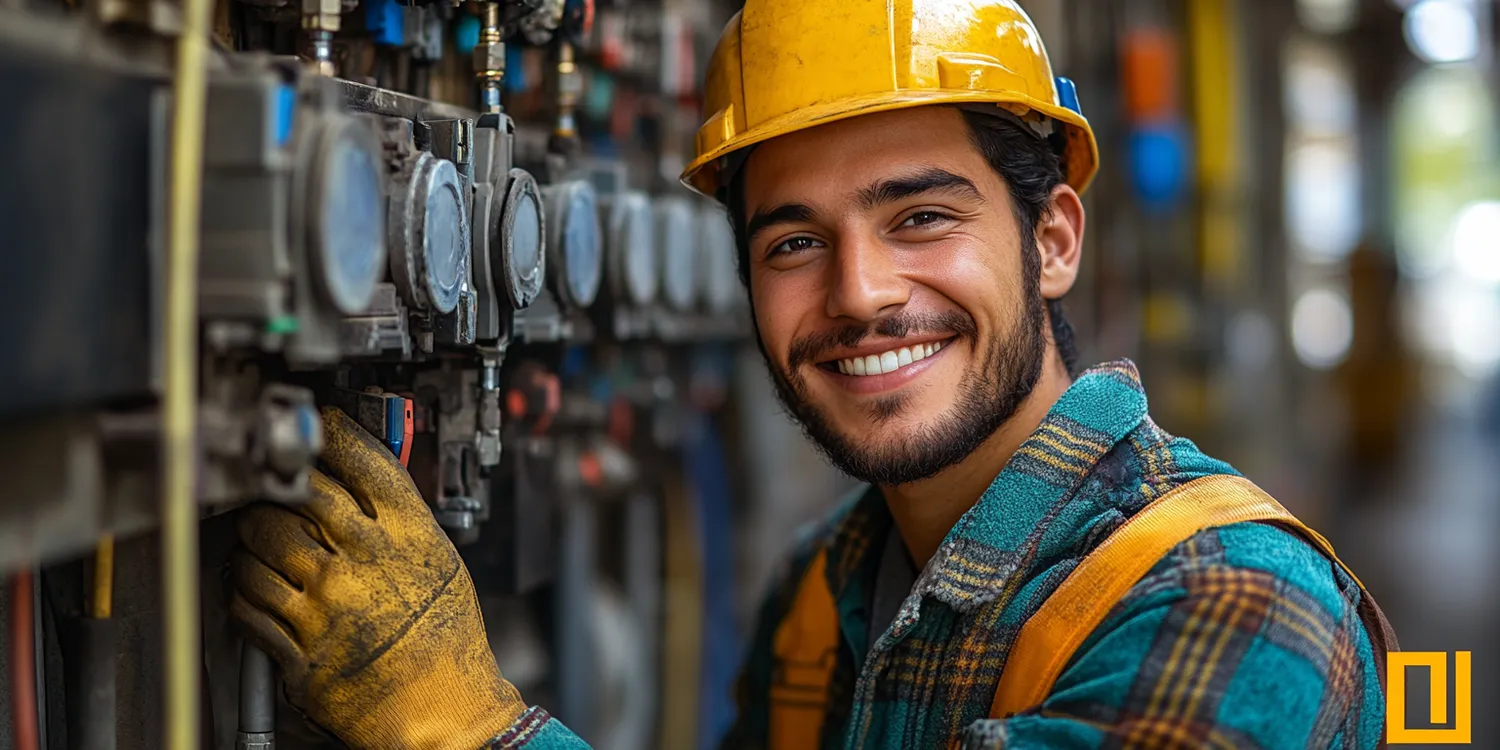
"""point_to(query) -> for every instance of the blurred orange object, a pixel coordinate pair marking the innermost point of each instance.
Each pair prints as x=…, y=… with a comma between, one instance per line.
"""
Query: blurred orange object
x=1149, y=74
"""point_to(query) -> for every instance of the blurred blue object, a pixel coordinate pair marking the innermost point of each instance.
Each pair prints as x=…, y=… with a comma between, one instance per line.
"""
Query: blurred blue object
x=599, y=95
x=286, y=108
x=515, y=72
x=384, y=22
x=1159, y=164
x=466, y=34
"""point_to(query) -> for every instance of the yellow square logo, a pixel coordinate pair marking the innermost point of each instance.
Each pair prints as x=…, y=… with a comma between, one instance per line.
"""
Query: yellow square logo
x=1436, y=662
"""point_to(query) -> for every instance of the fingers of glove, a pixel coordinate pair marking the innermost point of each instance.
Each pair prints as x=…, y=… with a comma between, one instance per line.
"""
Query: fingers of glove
x=270, y=634
x=291, y=544
x=266, y=590
x=364, y=465
x=339, y=514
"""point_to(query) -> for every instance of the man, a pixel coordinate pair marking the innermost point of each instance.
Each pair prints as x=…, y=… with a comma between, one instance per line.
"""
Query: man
x=903, y=180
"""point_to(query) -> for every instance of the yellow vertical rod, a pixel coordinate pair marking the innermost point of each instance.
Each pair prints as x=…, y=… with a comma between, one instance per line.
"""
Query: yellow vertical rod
x=179, y=522
x=1215, y=77
x=104, y=578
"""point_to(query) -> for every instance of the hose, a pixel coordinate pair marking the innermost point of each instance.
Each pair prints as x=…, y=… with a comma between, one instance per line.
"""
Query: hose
x=179, y=523
x=23, y=707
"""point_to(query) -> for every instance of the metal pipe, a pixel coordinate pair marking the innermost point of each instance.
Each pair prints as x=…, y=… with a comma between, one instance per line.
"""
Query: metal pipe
x=257, y=730
x=23, y=707
x=569, y=89
x=90, y=684
x=489, y=59
x=179, y=523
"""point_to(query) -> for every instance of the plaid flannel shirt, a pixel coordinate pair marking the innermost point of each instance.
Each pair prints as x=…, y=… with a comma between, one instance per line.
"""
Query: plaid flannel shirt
x=1241, y=637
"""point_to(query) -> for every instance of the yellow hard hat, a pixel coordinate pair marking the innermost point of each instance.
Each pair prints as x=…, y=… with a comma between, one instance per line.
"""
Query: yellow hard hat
x=787, y=65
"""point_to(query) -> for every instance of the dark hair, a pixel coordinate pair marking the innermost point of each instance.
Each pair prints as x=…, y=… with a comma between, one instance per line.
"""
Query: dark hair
x=1031, y=169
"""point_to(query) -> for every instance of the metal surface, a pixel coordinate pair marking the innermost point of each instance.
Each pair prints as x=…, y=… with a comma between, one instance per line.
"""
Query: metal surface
x=630, y=252
x=522, y=240
x=718, y=282
x=575, y=246
x=257, y=723
x=428, y=232
x=377, y=101
x=347, y=242
x=677, y=237
x=77, y=294
x=489, y=59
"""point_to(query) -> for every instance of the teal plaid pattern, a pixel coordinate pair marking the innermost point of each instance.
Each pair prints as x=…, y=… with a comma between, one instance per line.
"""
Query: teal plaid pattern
x=1241, y=637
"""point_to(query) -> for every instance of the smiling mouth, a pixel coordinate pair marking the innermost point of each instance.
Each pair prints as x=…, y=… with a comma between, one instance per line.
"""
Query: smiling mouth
x=884, y=363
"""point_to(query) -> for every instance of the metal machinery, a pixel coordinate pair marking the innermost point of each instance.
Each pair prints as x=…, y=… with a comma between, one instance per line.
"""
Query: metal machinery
x=499, y=300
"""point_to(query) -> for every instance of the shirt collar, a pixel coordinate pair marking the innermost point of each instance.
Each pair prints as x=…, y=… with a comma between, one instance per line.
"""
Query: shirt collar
x=1028, y=512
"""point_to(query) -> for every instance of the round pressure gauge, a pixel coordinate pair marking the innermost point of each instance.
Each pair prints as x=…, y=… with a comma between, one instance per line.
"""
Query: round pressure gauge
x=716, y=277
x=429, y=233
x=631, y=249
x=520, y=241
x=677, y=236
x=346, y=214
x=574, y=241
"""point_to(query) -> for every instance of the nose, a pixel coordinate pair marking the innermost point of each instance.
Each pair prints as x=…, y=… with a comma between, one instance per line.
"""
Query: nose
x=864, y=281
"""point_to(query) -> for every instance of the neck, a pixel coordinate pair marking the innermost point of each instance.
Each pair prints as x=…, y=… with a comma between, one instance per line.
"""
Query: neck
x=925, y=511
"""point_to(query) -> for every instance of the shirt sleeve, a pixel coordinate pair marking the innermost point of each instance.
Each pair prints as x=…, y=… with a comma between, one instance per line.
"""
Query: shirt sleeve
x=1221, y=649
x=537, y=730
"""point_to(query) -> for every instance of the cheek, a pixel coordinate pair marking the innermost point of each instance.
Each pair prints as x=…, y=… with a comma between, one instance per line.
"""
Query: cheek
x=778, y=308
x=979, y=278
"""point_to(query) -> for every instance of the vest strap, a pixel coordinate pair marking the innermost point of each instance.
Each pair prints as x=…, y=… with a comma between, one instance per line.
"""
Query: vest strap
x=1048, y=640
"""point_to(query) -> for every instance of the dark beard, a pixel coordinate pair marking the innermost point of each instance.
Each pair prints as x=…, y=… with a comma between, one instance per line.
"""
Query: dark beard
x=990, y=396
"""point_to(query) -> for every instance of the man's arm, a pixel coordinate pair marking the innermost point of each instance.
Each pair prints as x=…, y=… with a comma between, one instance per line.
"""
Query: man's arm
x=1243, y=638
x=368, y=609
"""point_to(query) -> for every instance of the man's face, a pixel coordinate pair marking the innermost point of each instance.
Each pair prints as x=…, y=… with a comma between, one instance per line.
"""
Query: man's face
x=898, y=310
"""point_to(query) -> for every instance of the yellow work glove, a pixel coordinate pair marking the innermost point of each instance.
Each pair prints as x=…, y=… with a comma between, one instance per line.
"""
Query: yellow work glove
x=365, y=604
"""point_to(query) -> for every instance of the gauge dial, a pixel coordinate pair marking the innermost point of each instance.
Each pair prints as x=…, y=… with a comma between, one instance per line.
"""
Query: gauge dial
x=717, y=281
x=445, y=240
x=347, y=227
x=574, y=241
x=522, y=231
x=676, y=234
x=632, y=248
x=429, y=233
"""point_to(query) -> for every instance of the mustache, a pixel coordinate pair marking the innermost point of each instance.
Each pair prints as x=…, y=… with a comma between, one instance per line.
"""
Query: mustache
x=810, y=348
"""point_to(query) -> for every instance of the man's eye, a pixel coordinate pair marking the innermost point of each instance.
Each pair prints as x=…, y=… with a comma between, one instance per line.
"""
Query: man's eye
x=793, y=245
x=925, y=218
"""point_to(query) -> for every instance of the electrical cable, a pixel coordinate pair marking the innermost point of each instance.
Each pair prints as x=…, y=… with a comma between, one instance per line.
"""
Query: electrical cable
x=179, y=524
x=23, y=708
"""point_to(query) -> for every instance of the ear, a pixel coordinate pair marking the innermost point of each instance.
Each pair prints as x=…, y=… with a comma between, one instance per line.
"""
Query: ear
x=1059, y=241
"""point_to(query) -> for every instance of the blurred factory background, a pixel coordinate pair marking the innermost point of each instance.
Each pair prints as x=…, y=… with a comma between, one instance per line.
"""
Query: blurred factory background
x=1295, y=234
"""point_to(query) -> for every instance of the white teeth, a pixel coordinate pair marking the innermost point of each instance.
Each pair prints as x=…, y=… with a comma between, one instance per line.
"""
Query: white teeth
x=891, y=361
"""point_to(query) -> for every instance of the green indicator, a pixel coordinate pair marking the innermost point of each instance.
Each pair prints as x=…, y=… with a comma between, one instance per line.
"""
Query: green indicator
x=282, y=324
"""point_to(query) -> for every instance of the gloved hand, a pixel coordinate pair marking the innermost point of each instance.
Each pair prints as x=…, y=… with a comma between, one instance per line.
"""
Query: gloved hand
x=365, y=604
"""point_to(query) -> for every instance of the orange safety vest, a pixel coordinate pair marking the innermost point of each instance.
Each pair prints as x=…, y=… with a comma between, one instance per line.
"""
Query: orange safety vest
x=807, y=640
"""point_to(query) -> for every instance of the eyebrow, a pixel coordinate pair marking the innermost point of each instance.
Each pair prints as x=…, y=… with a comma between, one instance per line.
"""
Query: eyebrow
x=929, y=180
x=786, y=213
